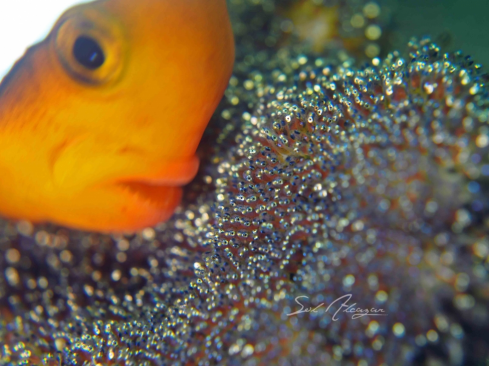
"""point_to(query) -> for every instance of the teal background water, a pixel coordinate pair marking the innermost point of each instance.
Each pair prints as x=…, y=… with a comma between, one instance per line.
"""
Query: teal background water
x=459, y=24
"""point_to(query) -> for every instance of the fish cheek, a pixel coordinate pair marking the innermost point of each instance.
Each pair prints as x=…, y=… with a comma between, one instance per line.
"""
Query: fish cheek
x=75, y=164
x=59, y=176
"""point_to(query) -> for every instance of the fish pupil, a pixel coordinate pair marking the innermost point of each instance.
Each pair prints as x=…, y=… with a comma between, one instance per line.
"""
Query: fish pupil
x=88, y=53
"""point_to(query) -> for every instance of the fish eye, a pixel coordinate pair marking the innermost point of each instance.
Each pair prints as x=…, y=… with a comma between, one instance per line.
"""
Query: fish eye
x=88, y=53
x=89, y=46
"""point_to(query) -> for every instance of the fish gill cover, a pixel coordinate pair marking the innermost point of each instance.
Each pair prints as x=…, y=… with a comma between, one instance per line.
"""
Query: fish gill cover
x=320, y=178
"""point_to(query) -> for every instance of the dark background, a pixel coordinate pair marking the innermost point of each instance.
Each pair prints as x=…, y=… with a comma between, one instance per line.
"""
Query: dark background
x=459, y=24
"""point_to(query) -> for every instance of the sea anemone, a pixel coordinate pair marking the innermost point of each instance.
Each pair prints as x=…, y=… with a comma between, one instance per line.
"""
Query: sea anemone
x=320, y=178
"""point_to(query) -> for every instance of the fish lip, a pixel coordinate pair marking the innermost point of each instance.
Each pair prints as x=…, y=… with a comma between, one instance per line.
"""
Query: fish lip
x=150, y=192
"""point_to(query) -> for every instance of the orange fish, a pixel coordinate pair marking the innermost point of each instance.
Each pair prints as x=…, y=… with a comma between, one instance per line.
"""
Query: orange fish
x=99, y=122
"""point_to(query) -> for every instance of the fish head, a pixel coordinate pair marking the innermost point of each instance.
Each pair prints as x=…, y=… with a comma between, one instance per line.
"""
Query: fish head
x=106, y=113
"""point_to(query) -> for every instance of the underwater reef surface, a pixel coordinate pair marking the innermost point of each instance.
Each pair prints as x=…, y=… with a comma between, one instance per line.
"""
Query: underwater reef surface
x=320, y=177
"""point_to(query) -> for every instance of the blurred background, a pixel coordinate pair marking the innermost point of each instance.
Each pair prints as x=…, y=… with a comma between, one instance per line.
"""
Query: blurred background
x=454, y=24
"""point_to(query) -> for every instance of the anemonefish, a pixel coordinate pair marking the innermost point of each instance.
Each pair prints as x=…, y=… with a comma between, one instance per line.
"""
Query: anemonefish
x=100, y=121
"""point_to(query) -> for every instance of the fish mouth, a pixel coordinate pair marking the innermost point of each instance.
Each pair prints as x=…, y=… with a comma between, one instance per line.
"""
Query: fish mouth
x=162, y=187
x=150, y=193
x=136, y=204
x=117, y=192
